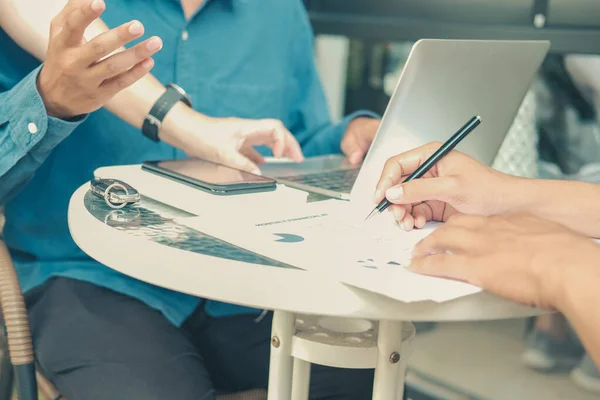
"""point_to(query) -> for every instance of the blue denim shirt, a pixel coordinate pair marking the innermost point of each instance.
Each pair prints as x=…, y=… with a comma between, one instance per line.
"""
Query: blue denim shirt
x=242, y=58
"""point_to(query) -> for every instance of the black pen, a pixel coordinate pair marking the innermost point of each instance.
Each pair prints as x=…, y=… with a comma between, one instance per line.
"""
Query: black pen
x=435, y=157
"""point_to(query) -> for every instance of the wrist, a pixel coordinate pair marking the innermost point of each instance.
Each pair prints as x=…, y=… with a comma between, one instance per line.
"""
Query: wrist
x=521, y=195
x=179, y=123
x=53, y=109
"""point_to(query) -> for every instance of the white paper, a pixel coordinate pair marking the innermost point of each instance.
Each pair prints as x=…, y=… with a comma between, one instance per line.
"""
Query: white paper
x=332, y=238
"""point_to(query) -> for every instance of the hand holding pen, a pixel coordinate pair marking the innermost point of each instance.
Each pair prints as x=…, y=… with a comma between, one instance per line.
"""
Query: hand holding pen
x=431, y=161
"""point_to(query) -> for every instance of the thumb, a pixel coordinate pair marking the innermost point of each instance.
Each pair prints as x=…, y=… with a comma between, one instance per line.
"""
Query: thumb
x=243, y=163
x=419, y=190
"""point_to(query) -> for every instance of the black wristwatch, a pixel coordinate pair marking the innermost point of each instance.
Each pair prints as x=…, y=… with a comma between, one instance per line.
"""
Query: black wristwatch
x=153, y=120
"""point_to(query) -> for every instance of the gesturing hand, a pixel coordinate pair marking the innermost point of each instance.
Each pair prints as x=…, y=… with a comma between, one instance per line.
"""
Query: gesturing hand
x=78, y=77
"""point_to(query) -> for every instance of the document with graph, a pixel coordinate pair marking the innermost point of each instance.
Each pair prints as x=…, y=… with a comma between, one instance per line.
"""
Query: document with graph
x=331, y=238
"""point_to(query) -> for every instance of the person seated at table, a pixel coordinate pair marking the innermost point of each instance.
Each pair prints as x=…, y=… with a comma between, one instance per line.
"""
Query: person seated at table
x=97, y=333
x=527, y=240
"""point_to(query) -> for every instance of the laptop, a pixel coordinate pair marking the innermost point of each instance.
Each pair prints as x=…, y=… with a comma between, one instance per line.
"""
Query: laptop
x=443, y=84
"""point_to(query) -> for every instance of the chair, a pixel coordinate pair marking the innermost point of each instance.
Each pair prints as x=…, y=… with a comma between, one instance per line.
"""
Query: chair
x=18, y=360
x=20, y=363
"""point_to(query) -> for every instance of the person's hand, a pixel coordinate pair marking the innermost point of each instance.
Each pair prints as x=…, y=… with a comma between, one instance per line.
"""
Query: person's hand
x=228, y=141
x=358, y=138
x=456, y=183
x=516, y=256
x=78, y=77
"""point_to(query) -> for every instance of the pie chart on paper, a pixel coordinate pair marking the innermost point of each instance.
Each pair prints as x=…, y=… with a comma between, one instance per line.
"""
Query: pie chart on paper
x=288, y=238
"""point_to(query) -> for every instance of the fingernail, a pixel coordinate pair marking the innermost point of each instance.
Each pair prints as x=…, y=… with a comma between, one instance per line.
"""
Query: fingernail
x=148, y=63
x=397, y=214
x=136, y=28
x=394, y=193
x=154, y=44
x=406, y=225
x=97, y=5
x=355, y=158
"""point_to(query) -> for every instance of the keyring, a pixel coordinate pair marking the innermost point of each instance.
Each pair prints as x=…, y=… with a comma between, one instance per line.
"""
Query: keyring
x=107, y=195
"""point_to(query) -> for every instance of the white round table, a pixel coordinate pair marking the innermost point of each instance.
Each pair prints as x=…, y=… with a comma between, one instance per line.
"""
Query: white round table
x=141, y=240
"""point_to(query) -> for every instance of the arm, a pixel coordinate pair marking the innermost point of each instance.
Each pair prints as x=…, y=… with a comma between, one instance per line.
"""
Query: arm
x=573, y=204
x=579, y=298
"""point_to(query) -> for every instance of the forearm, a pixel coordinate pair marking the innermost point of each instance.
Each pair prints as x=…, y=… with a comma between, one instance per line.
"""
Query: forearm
x=572, y=204
x=30, y=30
x=579, y=300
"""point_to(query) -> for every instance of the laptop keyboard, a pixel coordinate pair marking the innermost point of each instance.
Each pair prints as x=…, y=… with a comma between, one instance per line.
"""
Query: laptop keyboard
x=337, y=180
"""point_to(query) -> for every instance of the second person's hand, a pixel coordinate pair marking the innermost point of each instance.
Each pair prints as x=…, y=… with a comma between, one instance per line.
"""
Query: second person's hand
x=517, y=256
x=228, y=141
x=456, y=184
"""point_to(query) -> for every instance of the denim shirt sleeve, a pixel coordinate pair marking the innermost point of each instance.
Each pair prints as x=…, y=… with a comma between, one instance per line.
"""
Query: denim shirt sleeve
x=313, y=127
x=27, y=134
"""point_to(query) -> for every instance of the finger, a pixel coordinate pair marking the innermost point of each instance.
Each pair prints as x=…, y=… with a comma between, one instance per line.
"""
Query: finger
x=404, y=164
x=122, y=61
x=263, y=132
x=57, y=23
x=446, y=189
x=292, y=149
x=408, y=223
x=253, y=155
x=273, y=134
x=399, y=212
x=279, y=141
x=117, y=83
x=107, y=42
x=78, y=20
x=422, y=213
x=451, y=266
x=455, y=240
x=239, y=161
x=353, y=149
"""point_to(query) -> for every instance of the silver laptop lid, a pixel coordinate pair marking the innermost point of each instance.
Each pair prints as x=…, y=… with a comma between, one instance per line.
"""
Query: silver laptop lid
x=443, y=84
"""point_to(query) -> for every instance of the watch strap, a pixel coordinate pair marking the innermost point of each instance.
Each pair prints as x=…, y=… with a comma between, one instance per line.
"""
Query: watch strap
x=163, y=105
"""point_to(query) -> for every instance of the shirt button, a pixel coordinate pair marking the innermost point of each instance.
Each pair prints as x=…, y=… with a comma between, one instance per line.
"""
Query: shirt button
x=32, y=128
x=185, y=35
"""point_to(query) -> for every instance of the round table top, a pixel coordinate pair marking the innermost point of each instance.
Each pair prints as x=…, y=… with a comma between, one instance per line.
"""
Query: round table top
x=145, y=242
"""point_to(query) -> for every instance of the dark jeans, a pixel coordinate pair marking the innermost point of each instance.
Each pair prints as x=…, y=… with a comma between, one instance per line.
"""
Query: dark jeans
x=96, y=344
